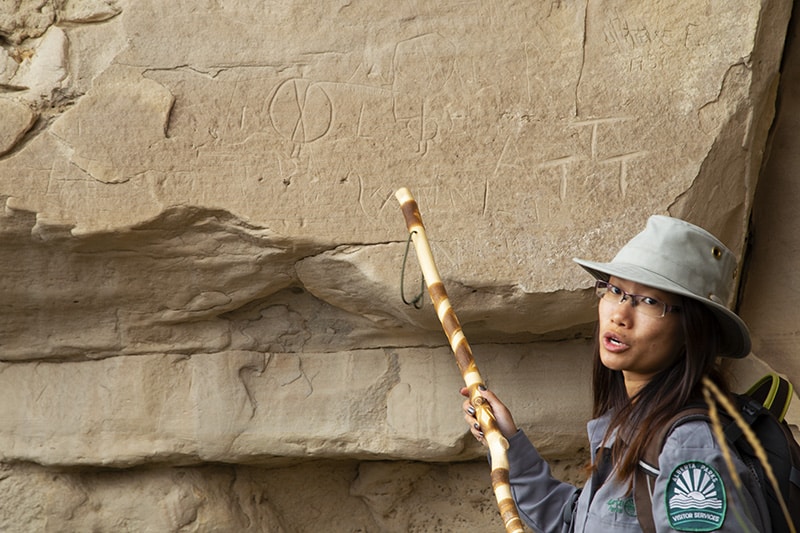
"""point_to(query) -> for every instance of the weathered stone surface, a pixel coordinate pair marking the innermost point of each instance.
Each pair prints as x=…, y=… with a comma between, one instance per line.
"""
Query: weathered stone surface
x=318, y=496
x=43, y=69
x=203, y=264
x=82, y=11
x=21, y=19
x=255, y=407
x=140, y=107
x=17, y=120
x=773, y=277
x=201, y=250
x=468, y=143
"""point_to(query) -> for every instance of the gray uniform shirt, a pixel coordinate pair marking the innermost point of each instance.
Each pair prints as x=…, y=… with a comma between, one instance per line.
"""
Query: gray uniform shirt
x=693, y=492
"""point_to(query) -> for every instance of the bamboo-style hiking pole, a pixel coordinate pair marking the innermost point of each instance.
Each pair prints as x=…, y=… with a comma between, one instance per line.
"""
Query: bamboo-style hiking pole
x=466, y=363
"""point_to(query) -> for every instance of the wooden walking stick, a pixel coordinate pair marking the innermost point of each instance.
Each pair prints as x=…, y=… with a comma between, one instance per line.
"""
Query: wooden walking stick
x=466, y=363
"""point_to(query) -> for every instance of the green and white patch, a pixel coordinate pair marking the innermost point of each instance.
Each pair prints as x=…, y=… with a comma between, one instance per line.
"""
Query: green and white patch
x=696, y=498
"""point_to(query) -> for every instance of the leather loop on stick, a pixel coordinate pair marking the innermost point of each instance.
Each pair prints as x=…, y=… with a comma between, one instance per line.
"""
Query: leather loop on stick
x=466, y=363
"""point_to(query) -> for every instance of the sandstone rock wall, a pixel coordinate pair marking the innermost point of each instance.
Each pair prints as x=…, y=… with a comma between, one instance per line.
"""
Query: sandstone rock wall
x=201, y=326
x=773, y=276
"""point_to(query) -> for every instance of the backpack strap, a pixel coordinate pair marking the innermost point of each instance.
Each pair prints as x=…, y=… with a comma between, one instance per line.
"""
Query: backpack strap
x=774, y=393
x=646, y=474
x=771, y=393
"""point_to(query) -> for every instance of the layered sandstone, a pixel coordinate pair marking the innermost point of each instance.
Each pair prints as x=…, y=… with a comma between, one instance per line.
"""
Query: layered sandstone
x=202, y=327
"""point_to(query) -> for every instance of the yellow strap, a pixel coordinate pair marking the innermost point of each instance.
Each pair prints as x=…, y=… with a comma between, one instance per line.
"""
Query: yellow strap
x=766, y=390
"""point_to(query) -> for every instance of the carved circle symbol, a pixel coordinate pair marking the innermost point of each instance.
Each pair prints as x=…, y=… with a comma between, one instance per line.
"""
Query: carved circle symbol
x=301, y=111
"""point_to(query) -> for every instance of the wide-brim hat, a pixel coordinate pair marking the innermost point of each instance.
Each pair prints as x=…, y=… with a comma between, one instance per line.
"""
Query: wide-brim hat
x=678, y=257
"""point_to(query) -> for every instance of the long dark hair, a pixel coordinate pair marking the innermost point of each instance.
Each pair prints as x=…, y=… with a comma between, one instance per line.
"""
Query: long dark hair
x=637, y=418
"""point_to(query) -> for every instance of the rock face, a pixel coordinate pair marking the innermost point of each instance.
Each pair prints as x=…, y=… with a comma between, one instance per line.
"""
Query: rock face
x=202, y=326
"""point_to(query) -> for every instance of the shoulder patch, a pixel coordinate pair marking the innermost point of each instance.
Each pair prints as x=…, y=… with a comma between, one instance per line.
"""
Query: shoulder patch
x=696, y=499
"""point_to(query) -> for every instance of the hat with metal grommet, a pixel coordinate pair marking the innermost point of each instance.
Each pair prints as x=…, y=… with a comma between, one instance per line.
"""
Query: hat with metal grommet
x=678, y=257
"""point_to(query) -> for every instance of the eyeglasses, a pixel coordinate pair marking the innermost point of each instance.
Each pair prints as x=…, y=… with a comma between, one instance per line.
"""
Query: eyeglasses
x=647, y=305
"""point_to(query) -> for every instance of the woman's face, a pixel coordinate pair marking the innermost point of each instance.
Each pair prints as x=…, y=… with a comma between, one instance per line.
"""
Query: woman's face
x=637, y=344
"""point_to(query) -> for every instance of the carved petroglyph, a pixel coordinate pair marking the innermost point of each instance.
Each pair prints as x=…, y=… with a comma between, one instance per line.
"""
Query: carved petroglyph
x=625, y=33
x=647, y=45
x=621, y=159
x=595, y=124
x=583, y=158
x=301, y=111
x=414, y=88
x=304, y=111
x=562, y=164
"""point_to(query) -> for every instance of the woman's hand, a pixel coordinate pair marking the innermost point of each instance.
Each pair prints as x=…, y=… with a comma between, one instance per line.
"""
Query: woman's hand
x=505, y=422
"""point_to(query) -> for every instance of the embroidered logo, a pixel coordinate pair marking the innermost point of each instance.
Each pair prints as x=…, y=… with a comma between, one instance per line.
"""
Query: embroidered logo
x=622, y=505
x=696, y=498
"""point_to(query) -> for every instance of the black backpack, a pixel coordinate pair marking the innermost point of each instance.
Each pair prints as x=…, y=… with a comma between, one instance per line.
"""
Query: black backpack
x=763, y=408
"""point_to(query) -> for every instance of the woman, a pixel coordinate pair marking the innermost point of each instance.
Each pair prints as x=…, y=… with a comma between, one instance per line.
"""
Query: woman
x=662, y=322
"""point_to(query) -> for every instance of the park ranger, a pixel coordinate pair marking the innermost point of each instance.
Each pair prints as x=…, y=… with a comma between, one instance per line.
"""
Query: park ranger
x=663, y=321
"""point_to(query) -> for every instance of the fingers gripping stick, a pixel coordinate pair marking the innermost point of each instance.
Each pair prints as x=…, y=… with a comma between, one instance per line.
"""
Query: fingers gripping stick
x=466, y=363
